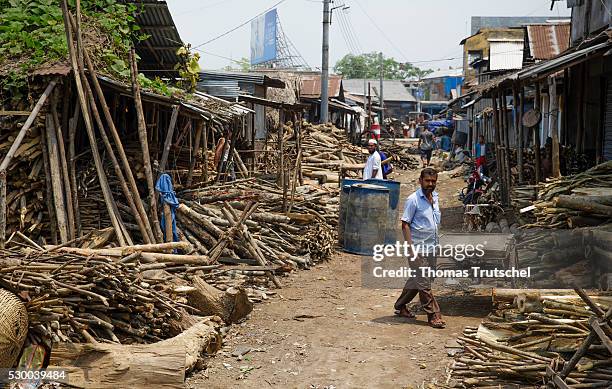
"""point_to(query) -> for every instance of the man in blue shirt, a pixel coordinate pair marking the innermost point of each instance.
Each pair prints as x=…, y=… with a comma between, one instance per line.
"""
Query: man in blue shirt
x=420, y=225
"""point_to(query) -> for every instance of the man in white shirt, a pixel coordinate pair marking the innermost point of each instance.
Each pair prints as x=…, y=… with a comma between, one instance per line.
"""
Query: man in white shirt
x=373, y=167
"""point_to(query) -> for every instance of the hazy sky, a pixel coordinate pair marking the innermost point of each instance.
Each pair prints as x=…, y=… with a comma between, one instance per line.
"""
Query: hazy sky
x=417, y=31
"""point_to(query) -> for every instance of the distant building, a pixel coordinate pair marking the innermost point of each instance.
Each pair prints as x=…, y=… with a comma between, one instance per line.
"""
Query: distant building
x=442, y=84
x=398, y=101
x=501, y=48
x=480, y=22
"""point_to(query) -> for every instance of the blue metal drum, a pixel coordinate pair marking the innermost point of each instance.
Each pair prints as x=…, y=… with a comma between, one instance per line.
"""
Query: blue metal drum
x=366, y=218
x=391, y=234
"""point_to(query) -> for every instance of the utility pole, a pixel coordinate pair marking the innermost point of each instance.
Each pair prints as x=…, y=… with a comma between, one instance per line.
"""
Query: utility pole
x=380, y=92
x=323, y=116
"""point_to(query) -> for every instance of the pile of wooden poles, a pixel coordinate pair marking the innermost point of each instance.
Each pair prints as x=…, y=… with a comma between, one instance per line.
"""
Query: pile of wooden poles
x=82, y=295
x=584, y=199
x=281, y=236
x=531, y=333
x=404, y=157
x=564, y=258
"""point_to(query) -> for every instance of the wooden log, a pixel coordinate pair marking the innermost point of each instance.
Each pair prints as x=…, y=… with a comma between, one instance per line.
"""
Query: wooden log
x=161, y=365
x=169, y=235
x=2, y=208
x=169, y=134
x=144, y=144
x=232, y=305
x=576, y=202
x=205, y=153
x=72, y=126
x=64, y=165
x=56, y=180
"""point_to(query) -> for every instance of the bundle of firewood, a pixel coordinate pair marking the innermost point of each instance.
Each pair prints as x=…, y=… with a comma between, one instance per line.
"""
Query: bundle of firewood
x=404, y=157
x=584, y=199
x=528, y=333
x=565, y=258
x=282, y=236
x=82, y=296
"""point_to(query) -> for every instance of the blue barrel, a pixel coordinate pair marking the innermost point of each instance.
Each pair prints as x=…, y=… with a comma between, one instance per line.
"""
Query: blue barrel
x=344, y=198
x=366, y=218
x=394, y=206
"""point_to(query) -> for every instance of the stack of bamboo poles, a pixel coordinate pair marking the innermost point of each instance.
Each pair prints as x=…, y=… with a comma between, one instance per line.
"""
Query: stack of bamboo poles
x=584, y=199
x=529, y=332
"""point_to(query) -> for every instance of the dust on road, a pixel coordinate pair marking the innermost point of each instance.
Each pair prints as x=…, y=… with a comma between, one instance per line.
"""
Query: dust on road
x=323, y=330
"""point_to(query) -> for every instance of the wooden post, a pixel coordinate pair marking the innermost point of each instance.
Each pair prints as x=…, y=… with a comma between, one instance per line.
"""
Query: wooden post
x=521, y=130
x=59, y=136
x=144, y=144
x=536, y=134
x=554, y=125
x=168, y=220
x=78, y=72
x=49, y=189
x=2, y=208
x=281, y=156
x=72, y=126
x=119, y=145
x=507, y=148
x=169, y=134
x=517, y=124
x=581, y=109
x=56, y=180
x=196, y=148
x=206, y=153
x=498, y=147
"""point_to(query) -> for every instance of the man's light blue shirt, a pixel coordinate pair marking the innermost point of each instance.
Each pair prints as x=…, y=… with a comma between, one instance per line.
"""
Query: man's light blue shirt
x=423, y=217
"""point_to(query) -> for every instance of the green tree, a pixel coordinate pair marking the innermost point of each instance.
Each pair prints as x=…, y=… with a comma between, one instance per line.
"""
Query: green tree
x=243, y=65
x=368, y=66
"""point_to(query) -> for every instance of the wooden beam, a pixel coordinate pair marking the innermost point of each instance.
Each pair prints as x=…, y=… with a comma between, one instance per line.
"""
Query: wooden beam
x=536, y=134
x=56, y=180
x=169, y=135
x=554, y=125
x=520, y=131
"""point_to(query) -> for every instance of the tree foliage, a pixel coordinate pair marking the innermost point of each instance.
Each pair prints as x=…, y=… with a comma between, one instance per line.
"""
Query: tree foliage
x=368, y=66
x=243, y=65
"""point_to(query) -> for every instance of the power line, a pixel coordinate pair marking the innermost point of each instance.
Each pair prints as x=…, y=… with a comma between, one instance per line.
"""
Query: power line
x=240, y=25
x=346, y=34
x=343, y=17
x=380, y=30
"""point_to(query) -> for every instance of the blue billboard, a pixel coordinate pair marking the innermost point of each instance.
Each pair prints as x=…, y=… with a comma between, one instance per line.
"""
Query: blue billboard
x=263, y=38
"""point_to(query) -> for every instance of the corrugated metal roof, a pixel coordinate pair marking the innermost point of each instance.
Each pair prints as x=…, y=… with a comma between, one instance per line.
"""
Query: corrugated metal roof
x=444, y=73
x=393, y=90
x=251, y=78
x=479, y=22
x=219, y=88
x=310, y=86
x=546, y=41
x=158, y=52
x=506, y=54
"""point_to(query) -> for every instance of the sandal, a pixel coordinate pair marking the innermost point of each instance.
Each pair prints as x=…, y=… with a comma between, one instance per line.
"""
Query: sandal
x=437, y=323
x=405, y=313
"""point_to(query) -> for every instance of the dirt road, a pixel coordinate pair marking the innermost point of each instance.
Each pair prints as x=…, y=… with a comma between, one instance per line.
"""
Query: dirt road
x=323, y=330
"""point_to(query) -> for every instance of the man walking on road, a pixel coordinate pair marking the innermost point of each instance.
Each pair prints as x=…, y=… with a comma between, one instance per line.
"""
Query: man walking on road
x=373, y=167
x=426, y=142
x=420, y=223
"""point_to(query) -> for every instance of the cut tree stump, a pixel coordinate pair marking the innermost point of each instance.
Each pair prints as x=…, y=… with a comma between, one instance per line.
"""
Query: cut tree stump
x=231, y=305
